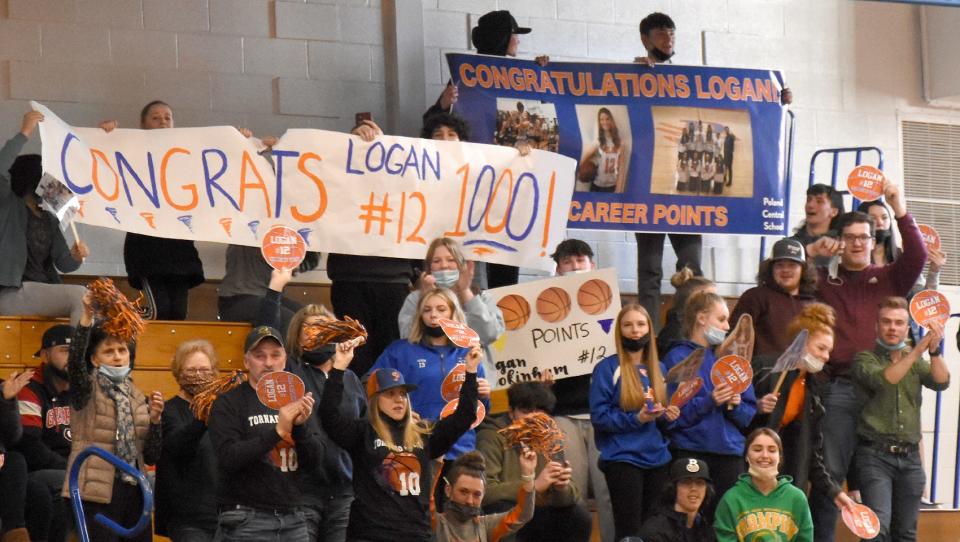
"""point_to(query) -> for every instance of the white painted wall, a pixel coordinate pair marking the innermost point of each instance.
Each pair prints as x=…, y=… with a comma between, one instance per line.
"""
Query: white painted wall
x=854, y=67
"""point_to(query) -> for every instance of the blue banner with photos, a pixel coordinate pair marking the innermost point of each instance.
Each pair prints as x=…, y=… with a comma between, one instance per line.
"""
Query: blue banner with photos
x=665, y=149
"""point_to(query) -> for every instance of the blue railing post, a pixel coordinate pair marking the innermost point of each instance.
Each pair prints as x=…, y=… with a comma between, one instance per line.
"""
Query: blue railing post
x=75, y=497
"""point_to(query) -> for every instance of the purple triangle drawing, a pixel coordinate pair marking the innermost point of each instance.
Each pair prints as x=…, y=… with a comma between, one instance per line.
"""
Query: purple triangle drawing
x=305, y=233
x=187, y=221
x=605, y=324
x=113, y=213
x=253, y=225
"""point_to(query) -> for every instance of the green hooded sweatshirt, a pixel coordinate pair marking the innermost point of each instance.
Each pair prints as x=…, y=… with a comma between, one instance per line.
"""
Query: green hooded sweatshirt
x=747, y=515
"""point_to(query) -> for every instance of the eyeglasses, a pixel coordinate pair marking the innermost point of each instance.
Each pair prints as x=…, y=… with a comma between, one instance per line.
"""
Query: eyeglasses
x=197, y=371
x=862, y=239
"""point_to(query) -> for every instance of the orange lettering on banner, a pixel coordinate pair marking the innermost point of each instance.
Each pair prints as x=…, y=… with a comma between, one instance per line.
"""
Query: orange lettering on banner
x=244, y=185
x=546, y=83
x=95, y=174
x=321, y=189
x=610, y=212
x=191, y=188
x=683, y=86
x=497, y=228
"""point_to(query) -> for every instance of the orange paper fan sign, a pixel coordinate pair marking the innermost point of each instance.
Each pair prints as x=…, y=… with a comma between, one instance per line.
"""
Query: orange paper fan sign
x=866, y=183
x=459, y=333
x=928, y=306
x=734, y=370
x=450, y=387
x=279, y=388
x=861, y=521
x=930, y=236
x=686, y=390
x=450, y=407
x=283, y=248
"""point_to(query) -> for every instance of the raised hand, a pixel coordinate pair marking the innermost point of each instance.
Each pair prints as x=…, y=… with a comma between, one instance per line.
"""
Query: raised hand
x=16, y=382
x=30, y=121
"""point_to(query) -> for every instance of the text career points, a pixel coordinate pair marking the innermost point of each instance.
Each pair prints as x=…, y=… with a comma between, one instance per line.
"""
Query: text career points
x=641, y=213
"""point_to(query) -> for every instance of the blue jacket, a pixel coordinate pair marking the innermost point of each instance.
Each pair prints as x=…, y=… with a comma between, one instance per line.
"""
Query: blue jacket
x=619, y=435
x=427, y=366
x=703, y=426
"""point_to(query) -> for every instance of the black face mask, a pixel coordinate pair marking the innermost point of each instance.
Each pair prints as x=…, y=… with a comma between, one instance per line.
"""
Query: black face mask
x=319, y=355
x=635, y=345
x=433, y=331
x=660, y=55
x=882, y=235
x=462, y=512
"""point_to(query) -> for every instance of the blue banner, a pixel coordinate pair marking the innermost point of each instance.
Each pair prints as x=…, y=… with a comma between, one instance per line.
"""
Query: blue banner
x=665, y=149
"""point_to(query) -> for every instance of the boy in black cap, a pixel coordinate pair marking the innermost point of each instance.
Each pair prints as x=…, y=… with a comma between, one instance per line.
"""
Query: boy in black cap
x=260, y=451
x=679, y=519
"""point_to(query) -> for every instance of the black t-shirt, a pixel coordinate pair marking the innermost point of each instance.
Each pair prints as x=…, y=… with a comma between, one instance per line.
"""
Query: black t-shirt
x=39, y=248
x=256, y=468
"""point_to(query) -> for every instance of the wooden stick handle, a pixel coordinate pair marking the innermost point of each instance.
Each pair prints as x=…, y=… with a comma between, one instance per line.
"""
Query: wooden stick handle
x=73, y=228
x=776, y=388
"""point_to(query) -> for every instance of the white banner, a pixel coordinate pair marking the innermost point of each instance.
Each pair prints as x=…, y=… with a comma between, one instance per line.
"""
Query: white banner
x=564, y=324
x=390, y=197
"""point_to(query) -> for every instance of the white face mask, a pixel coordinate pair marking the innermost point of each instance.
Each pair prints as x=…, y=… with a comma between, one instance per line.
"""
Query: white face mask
x=715, y=335
x=115, y=374
x=811, y=363
x=446, y=278
x=767, y=474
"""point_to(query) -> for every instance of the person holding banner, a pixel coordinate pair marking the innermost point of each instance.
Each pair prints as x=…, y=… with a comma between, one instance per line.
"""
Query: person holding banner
x=855, y=290
x=889, y=380
x=609, y=153
x=711, y=423
x=627, y=397
x=745, y=511
x=34, y=249
x=392, y=448
x=109, y=411
x=447, y=267
x=785, y=283
x=262, y=451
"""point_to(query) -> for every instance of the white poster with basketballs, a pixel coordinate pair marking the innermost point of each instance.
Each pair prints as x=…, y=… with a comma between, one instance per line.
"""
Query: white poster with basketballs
x=562, y=324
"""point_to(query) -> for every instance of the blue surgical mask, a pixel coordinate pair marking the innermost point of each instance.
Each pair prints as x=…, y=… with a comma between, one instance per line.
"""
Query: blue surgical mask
x=115, y=374
x=891, y=347
x=715, y=335
x=446, y=279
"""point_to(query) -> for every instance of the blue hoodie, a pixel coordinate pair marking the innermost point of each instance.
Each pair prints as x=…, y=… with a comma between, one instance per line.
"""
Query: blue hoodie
x=426, y=366
x=703, y=426
x=619, y=435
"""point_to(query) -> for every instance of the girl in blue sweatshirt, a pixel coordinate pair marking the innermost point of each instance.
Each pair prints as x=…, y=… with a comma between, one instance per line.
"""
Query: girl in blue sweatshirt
x=627, y=394
x=710, y=425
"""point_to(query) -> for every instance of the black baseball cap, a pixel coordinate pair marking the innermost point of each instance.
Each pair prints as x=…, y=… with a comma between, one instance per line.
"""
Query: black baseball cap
x=689, y=467
x=789, y=249
x=58, y=335
x=258, y=334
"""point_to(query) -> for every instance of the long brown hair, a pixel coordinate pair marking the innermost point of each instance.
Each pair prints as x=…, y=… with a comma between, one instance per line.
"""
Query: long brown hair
x=631, y=388
x=413, y=430
x=698, y=303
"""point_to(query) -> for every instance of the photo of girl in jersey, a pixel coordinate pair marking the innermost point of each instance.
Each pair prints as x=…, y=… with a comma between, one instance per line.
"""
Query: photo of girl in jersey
x=605, y=132
x=527, y=122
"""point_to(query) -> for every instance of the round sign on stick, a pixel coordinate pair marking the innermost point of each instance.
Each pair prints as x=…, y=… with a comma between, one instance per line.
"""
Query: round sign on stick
x=459, y=333
x=928, y=306
x=930, y=236
x=734, y=370
x=861, y=521
x=686, y=390
x=283, y=248
x=866, y=183
x=279, y=388
x=450, y=387
x=452, y=406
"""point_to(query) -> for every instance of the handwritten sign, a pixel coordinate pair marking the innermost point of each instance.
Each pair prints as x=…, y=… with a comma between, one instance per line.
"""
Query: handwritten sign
x=866, y=183
x=928, y=306
x=388, y=197
x=930, y=236
x=283, y=248
x=562, y=324
x=279, y=388
x=450, y=407
x=733, y=370
x=861, y=521
x=459, y=333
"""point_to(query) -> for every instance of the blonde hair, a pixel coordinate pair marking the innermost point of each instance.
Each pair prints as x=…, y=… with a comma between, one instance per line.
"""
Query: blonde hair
x=186, y=348
x=416, y=328
x=449, y=244
x=698, y=303
x=413, y=431
x=815, y=318
x=631, y=388
x=296, y=323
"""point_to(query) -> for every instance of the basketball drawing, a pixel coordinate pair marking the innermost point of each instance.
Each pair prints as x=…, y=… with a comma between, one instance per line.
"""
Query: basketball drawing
x=516, y=311
x=401, y=473
x=594, y=296
x=553, y=304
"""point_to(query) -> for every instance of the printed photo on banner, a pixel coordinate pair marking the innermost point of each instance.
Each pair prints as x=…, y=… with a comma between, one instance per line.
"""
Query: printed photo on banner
x=675, y=149
x=56, y=198
x=605, y=159
x=560, y=324
x=702, y=152
x=529, y=121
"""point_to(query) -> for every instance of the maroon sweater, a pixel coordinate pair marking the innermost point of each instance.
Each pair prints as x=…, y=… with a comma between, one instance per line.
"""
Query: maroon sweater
x=856, y=294
x=772, y=310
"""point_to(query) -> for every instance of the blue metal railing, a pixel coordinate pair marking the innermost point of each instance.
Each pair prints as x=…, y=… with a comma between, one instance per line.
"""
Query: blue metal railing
x=75, y=498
